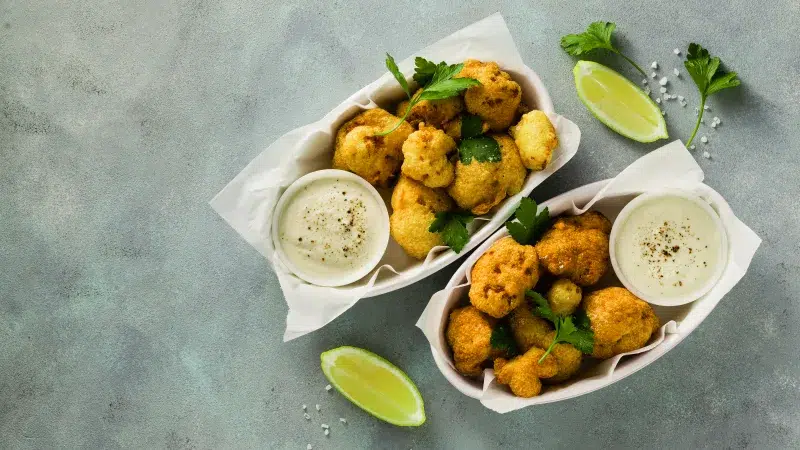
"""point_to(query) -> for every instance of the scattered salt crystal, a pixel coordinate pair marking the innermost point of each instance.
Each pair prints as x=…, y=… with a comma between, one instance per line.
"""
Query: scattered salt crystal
x=692, y=147
x=662, y=89
x=327, y=432
x=304, y=407
x=716, y=119
x=683, y=104
x=713, y=124
x=706, y=155
x=680, y=98
x=663, y=113
x=704, y=140
x=317, y=406
x=706, y=108
x=675, y=71
x=663, y=81
x=658, y=100
x=306, y=416
x=328, y=387
x=677, y=51
x=309, y=447
x=654, y=65
x=647, y=90
x=325, y=426
x=653, y=75
x=644, y=81
x=342, y=419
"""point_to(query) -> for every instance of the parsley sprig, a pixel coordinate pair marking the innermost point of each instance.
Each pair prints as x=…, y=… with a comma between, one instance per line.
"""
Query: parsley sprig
x=529, y=225
x=575, y=329
x=708, y=77
x=436, y=80
x=503, y=340
x=474, y=145
x=597, y=36
x=453, y=228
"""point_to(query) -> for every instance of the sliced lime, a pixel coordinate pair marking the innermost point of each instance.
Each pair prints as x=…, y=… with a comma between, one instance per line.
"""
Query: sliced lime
x=374, y=385
x=619, y=103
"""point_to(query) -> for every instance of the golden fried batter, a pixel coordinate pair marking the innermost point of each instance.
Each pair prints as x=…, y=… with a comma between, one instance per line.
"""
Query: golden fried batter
x=469, y=334
x=409, y=228
x=358, y=149
x=453, y=128
x=501, y=276
x=531, y=331
x=432, y=112
x=408, y=192
x=523, y=374
x=425, y=157
x=536, y=139
x=496, y=99
x=621, y=321
x=564, y=297
x=577, y=248
x=479, y=186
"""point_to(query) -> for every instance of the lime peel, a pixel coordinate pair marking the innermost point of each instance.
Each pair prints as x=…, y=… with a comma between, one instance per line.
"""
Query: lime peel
x=619, y=103
x=374, y=384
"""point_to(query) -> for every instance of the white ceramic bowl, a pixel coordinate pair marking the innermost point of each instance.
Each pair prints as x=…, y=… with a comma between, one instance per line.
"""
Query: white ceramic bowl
x=719, y=263
x=381, y=222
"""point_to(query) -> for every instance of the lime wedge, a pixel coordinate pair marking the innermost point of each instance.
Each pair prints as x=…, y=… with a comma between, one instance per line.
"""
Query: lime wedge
x=374, y=385
x=619, y=103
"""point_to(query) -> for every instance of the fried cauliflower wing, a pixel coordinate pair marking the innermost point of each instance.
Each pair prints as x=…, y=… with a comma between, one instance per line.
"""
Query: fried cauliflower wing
x=432, y=112
x=479, y=186
x=425, y=157
x=409, y=192
x=496, y=99
x=564, y=297
x=523, y=374
x=360, y=150
x=409, y=228
x=577, y=248
x=621, y=321
x=532, y=331
x=469, y=334
x=501, y=276
x=536, y=139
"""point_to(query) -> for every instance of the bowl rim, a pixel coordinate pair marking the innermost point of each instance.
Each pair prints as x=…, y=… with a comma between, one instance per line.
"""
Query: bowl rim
x=383, y=223
x=645, y=197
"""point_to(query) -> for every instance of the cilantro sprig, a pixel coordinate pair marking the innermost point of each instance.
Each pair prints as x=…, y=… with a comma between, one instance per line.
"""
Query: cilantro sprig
x=529, y=225
x=575, y=329
x=709, y=78
x=503, y=340
x=597, y=36
x=453, y=228
x=436, y=80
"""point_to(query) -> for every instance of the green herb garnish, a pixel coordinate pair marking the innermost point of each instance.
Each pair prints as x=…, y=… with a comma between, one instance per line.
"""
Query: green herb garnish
x=471, y=126
x=596, y=36
x=481, y=148
x=529, y=226
x=575, y=329
x=708, y=77
x=503, y=340
x=453, y=228
x=436, y=79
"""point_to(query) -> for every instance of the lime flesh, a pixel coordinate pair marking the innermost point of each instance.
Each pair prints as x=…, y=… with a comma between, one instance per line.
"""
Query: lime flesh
x=374, y=385
x=618, y=103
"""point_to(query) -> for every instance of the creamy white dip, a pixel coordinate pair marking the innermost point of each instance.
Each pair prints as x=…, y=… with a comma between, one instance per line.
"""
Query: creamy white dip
x=669, y=247
x=331, y=228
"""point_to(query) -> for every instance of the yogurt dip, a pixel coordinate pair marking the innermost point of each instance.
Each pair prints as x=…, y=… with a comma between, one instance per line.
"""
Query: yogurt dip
x=331, y=227
x=668, y=248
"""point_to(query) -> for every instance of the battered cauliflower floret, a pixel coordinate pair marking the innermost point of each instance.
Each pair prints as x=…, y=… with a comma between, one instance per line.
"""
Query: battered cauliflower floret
x=531, y=331
x=536, y=139
x=479, y=186
x=360, y=150
x=409, y=192
x=469, y=334
x=496, y=99
x=621, y=321
x=501, y=276
x=523, y=374
x=409, y=228
x=564, y=297
x=577, y=248
x=425, y=157
x=433, y=112
x=453, y=128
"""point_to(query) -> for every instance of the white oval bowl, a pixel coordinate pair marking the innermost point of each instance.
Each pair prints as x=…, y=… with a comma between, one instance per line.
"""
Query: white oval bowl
x=689, y=296
x=687, y=317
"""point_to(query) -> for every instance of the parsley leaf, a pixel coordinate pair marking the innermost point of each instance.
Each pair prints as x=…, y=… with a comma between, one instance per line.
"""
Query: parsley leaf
x=453, y=228
x=709, y=78
x=471, y=126
x=437, y=80
x=503, y=340
x=529, y=226
x=392, y=66
x=575, y=329
x=481, y=148
x=597, y=36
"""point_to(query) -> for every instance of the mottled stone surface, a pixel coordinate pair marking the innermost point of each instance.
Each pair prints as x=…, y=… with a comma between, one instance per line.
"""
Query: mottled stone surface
x=132, y=316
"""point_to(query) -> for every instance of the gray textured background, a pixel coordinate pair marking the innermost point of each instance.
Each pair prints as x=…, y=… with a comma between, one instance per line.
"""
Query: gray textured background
x=132, y=316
